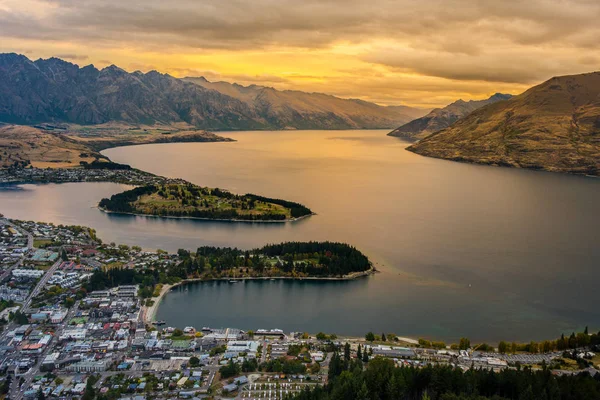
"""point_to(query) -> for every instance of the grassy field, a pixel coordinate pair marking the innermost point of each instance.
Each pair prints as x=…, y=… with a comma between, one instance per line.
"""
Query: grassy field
x=150, y=204
x=41, y=242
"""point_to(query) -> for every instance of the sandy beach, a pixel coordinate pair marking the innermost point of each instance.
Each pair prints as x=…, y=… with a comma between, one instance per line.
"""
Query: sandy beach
x=150, y=312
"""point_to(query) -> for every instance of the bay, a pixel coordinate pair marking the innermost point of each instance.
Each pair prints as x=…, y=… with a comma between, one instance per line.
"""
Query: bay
x=464, y=250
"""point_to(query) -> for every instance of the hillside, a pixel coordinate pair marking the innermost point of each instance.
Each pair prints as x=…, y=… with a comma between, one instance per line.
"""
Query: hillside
x=56, y=146
x=294, y=109
x=191, y=201
x=441, y=118
x=56, y=91
x=24, y=145
x=554, y=126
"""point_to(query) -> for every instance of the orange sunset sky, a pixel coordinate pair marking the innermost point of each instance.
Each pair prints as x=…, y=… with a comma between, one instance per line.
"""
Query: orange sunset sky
x=421, y=53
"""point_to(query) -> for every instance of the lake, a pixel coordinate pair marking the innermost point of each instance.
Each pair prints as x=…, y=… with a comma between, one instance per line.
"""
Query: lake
x=464, y=250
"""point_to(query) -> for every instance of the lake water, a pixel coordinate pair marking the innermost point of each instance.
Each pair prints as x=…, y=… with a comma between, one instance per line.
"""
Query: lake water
x=464, y=250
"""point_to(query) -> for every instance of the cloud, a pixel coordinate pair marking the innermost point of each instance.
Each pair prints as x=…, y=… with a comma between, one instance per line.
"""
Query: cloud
x=458, y=44
x=73, y=57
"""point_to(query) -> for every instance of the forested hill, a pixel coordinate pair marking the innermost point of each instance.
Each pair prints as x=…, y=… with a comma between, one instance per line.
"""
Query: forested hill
x=192, y=201
x=381, y=380
x=293, y=259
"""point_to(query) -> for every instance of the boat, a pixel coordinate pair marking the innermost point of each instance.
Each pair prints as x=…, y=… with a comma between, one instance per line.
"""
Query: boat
x=233, y=281
x=161, y=322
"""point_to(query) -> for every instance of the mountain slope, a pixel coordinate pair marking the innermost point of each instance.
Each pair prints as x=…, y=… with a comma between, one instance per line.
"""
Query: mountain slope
x=57, y=91
x=294, y=109
x=441, y=118
x=54, y=90
x=554, y=126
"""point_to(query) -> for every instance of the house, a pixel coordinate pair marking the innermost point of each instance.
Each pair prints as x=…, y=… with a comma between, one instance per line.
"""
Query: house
x=242, y=380
x=232, y=387
x=79, y=388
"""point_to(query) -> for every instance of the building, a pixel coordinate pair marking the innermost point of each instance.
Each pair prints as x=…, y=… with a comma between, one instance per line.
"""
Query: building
x=90, y=366
x=27, y=273
x=242, y=346
x=232, y=387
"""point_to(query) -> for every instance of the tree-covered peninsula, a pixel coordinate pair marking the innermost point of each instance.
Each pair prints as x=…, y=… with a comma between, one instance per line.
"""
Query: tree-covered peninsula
x=318, y=260
x=186, y=200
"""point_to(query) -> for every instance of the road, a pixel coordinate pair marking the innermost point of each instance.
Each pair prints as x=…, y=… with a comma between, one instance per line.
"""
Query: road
x=40, y=285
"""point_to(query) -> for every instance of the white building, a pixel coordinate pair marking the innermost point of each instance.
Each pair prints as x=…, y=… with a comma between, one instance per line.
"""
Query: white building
x=27, y=273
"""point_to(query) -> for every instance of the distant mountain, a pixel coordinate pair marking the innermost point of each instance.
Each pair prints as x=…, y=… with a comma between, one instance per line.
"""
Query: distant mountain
x=294, y=109
x=554, y=126
x=54, y=90
x=441, y=118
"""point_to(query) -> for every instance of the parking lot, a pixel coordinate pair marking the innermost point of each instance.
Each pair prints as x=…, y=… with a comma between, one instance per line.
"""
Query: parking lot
x=270, y=390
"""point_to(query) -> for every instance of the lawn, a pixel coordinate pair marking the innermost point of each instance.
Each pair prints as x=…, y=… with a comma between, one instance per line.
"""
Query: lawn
x=146, y=203
x=41, y=242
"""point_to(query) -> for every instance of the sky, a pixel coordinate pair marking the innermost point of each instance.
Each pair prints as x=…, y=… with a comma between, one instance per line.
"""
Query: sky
x=424, y=53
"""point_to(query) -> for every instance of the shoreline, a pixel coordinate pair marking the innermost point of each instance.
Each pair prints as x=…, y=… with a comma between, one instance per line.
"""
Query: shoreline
x=268, y=221
x=149, y=313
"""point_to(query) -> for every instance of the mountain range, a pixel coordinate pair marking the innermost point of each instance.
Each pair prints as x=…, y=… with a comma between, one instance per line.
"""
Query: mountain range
x=554, y=126
x=53, y=90
x=441, y=118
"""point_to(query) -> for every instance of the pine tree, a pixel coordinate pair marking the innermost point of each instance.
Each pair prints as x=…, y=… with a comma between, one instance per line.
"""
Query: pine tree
x=363, y=392
x=359, y=352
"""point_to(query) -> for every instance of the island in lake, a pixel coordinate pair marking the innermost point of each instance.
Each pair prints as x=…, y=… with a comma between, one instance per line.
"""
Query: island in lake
x=186, y=200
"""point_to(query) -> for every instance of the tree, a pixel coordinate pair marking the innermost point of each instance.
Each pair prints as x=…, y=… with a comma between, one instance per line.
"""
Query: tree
x=19, y=318
x=321, y=336
x=63, y=255
x=335, y=366
x=177, y=332
x=347, y=352
x=90, y=392
x=229, y=370
x=363, y=392
x=503, y=347
x=40, y=394
x=370, y=337
x=383, y=337
x=464, y=344
x=359, y=352
x=194, y=361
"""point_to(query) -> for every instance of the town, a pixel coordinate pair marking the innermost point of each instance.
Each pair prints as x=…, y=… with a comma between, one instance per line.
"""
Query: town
x=118, y=174
x=78, y=322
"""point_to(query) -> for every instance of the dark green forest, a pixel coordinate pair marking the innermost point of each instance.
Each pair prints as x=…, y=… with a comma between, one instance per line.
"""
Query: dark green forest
x=381, y=380
x=310, y=258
